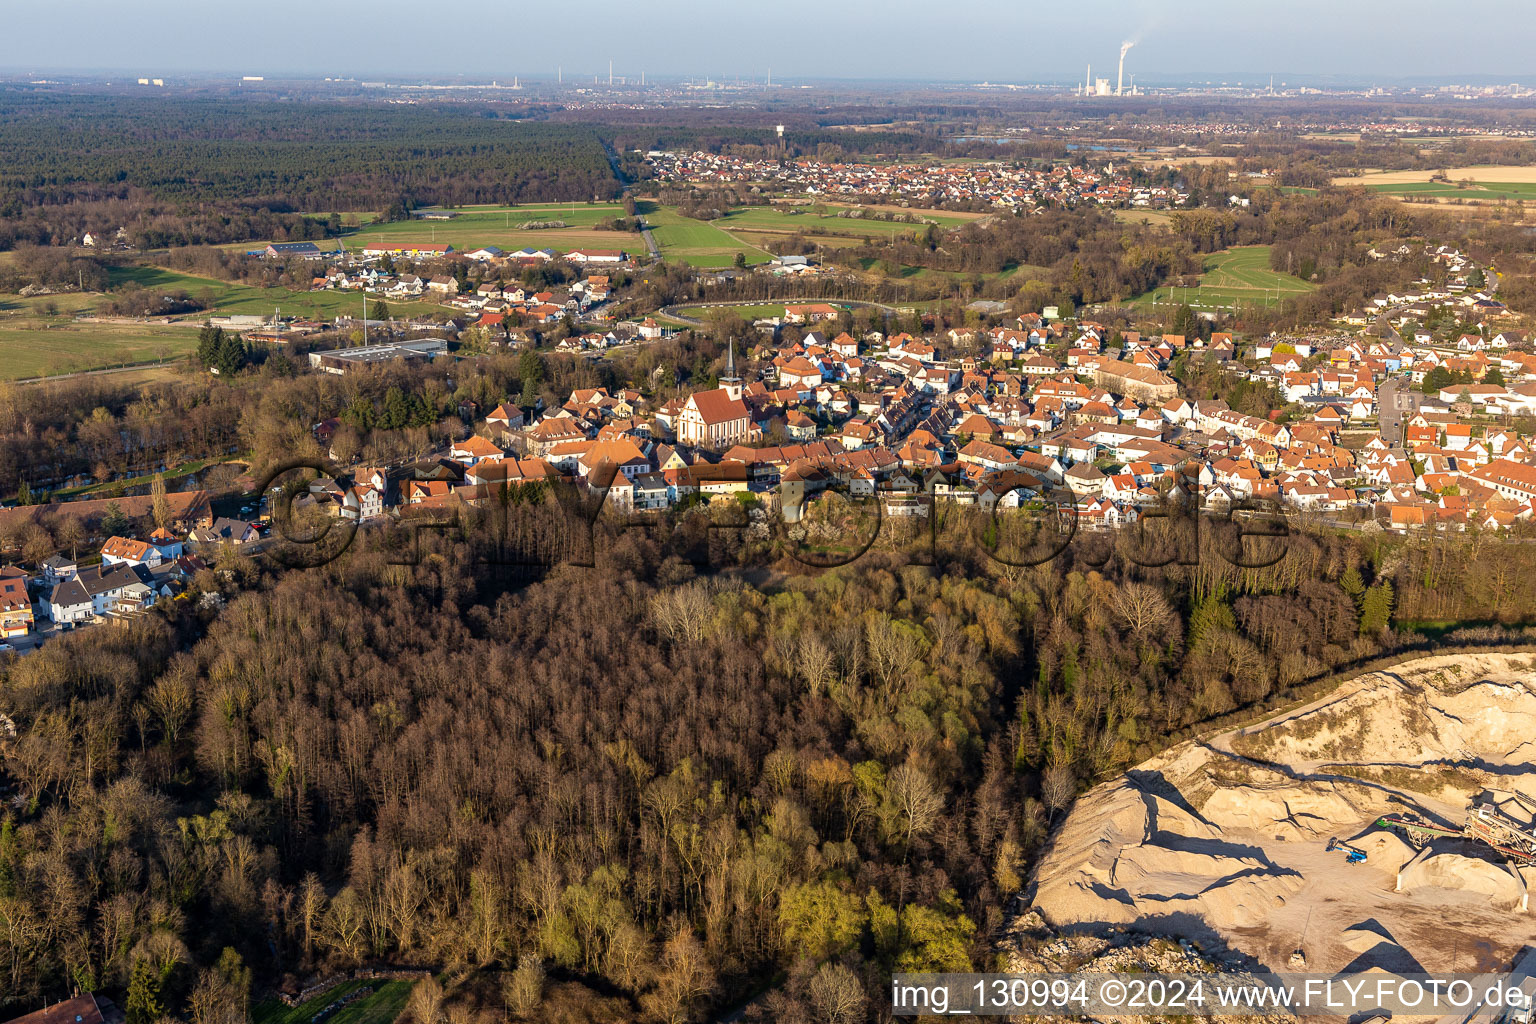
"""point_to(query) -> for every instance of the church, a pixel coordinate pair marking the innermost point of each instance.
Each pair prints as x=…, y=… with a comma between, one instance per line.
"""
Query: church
x=719, y=418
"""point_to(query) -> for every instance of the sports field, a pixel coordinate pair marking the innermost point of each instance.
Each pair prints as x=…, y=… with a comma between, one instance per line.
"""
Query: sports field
x=1233, y=278
x=756, y=311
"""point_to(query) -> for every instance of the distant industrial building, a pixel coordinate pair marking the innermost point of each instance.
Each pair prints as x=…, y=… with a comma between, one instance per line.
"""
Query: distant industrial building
x=348, y=360
x=305, y=250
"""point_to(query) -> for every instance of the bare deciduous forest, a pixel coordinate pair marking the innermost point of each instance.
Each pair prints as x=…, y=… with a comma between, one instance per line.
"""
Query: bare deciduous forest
x=667, y=787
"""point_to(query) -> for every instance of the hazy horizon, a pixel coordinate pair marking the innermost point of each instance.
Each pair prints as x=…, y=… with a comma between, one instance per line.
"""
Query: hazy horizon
x=842, y=39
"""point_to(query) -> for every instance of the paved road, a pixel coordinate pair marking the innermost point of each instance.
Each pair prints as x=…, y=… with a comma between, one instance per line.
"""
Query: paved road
x=1396, y=399
x=650, y=239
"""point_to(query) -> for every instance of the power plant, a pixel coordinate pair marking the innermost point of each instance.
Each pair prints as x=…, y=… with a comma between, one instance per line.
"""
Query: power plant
x=1101, y=87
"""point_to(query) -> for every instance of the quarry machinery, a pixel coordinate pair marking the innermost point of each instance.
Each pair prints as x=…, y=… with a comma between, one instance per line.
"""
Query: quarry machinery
x=1352, y=854
x=1494, y=820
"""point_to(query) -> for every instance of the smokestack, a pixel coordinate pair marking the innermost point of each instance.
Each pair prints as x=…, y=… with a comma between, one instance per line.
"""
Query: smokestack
x=1120, y=79
x=1088, y=82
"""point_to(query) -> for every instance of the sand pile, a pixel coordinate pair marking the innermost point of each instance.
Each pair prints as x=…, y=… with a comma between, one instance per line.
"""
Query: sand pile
x=1228, y=840
x=1447, y=870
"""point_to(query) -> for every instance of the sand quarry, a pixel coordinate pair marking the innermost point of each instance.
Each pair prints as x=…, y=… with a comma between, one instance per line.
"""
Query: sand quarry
x=1226, y=841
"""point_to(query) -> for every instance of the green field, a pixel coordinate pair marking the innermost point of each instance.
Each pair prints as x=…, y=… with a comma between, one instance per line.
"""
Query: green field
x=39, y=336
x=699, y=243
x=36, y=348
x=1232, y=278
x=753, y=312
x=1451, y=190
x=245, y=300
x=775, y=219
x=475, y=226
x=380, y=1008
x=679, y=238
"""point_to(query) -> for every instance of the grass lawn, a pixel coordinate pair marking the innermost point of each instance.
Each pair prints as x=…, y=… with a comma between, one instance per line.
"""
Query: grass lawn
x=1233, y=277
x=382, y=1007
x=699, y=243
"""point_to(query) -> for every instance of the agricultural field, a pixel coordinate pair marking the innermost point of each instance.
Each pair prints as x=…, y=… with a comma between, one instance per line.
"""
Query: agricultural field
x=36, y=347
x=475, y=226
x=784, y=221
x=1453, y=190
x=241, y=299
x=1233, y=277
x=42, y=335
x=382, y=1007
x=1158, y=217
x=1500, y=176
x=697, y=242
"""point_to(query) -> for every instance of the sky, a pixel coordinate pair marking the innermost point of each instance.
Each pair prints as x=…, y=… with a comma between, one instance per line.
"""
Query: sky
x=961, y=40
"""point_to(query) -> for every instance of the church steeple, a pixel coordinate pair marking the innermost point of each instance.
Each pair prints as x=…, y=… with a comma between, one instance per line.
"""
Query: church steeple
x=731, y=383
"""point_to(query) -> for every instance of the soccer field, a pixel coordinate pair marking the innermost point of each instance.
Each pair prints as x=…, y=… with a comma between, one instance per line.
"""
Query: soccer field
x=1232, y=278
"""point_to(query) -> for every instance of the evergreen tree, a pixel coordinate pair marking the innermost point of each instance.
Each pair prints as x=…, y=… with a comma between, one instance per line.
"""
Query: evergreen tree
x=1210, y=616
x=1353, y=585
x=209, y=341
x=1436, y=380
x=530, y=367
x=229, y=356
x=397, y=411
x=1376, y=611
x=143, y=1004
x=359, y=413
x=114, y=523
